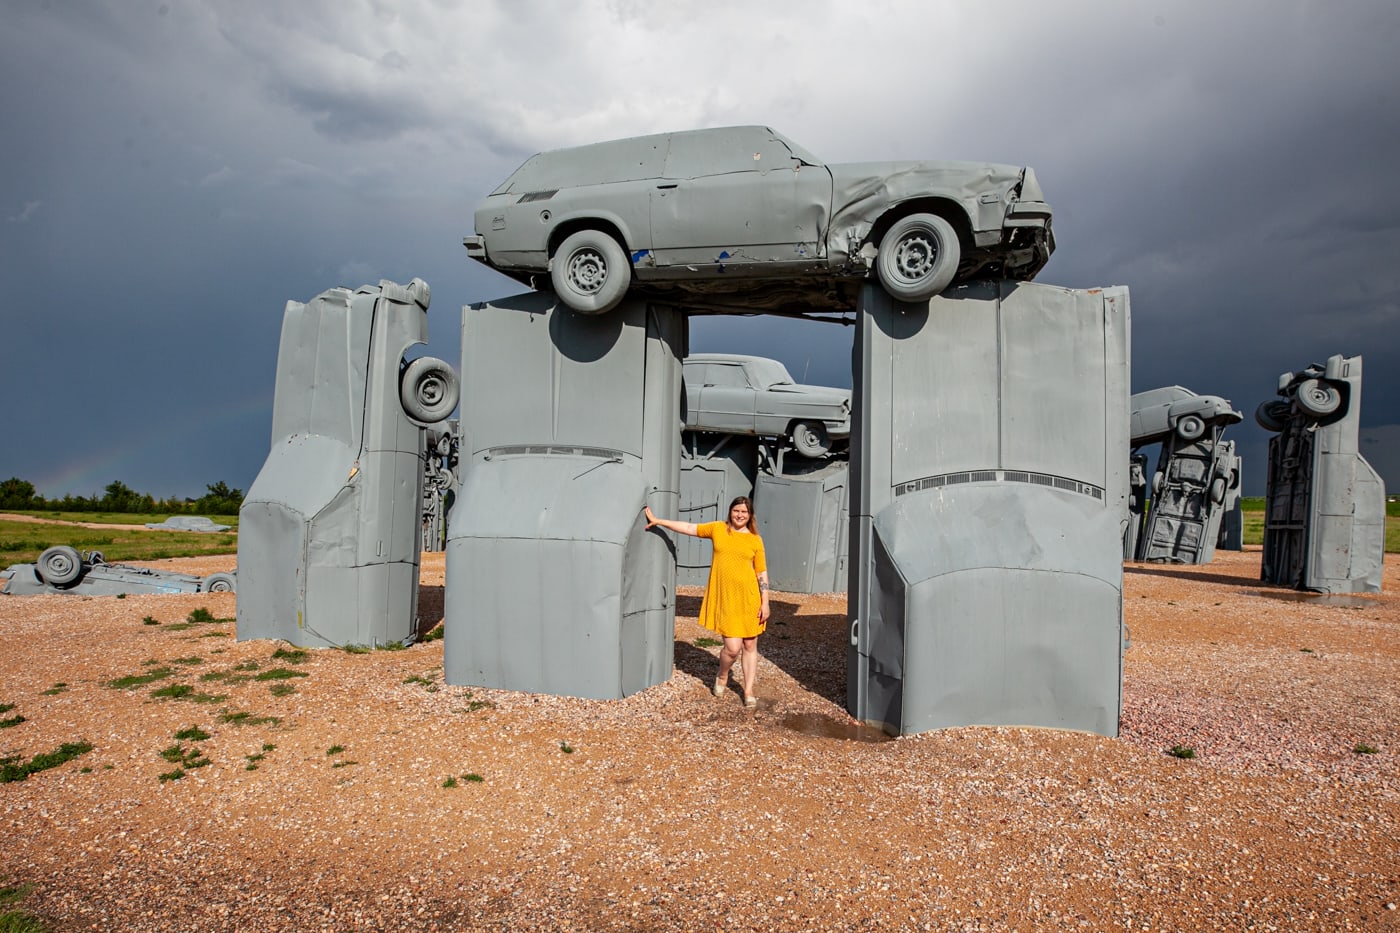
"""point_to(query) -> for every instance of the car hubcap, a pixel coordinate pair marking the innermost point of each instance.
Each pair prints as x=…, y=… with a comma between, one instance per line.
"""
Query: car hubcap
x=60, y=564
x=587, y=271
x=431, y=391
x=914, y=256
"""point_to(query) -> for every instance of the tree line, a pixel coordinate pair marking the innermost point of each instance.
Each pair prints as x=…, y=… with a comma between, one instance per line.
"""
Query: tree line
x=18, y=495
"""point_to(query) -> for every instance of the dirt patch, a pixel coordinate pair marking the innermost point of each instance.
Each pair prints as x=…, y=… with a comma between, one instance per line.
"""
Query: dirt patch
x=379, y=797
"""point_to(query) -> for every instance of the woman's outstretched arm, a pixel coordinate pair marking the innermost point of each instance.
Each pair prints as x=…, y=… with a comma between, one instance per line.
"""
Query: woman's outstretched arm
x=683, y=528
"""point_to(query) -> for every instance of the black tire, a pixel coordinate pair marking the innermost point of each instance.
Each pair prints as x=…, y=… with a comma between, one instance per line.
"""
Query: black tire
x=60, y=566
x=428, y=390
x=1272, y=415
x=1190, y=427
x=918, y=257
x=1318, y=398
x=220, y=583
x=810, y=439
x=590, y=272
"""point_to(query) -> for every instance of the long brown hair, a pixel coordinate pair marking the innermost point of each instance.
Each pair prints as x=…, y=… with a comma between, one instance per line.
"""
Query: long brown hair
x=744, y=501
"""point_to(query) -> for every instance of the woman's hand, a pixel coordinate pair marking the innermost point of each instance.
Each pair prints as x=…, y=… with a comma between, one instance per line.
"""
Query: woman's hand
x=651, y=519
x=763, y=612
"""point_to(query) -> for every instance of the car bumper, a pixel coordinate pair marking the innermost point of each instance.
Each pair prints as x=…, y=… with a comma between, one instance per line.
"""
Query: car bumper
x=476, y=247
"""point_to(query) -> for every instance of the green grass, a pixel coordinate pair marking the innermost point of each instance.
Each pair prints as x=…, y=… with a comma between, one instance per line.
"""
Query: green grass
x=435, y=634
x=12, y=770
x=23, y=542
x=1361, y=748
x=12, y=721
x=706, y=642
x=242, y=718
x=281, y=689
x=56, y=689
x=15, y=919
x=291, y=655
x=279, y=673
x=192, y=734
x=335, y=749
x=357, y=649
x=132, y=681
x=1182, y=751
x=566, y=748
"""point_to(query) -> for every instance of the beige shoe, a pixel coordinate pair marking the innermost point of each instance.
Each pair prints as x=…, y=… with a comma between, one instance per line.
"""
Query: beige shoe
x=719, y=688
x=750, y=702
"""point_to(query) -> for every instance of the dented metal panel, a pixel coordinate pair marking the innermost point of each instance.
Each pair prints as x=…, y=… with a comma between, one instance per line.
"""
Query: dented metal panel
x=986, y=575
x=553, y=583
x=330, y=531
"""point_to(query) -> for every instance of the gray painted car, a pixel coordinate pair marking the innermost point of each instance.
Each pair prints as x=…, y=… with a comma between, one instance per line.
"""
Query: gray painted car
x=1159, y=413
x=709, y=211
x=63, y=569
x=734, y=394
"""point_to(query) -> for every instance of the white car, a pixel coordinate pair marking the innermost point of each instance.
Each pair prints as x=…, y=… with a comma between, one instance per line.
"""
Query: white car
x=744, y=213
x=731, y=394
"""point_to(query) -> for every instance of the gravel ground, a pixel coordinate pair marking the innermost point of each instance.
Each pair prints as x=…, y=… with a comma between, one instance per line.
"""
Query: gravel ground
x=674, y=810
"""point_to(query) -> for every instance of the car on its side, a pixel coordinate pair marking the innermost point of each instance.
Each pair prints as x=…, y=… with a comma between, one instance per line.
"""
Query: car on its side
x=735, y=394
x=748, y=214
x=63, y=569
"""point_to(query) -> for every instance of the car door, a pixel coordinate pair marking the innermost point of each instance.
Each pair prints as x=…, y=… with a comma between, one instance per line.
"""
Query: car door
x=736, y=197
x=723, y=402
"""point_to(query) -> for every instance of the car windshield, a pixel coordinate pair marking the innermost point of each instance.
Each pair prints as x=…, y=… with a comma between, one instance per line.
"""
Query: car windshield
x=769, y=373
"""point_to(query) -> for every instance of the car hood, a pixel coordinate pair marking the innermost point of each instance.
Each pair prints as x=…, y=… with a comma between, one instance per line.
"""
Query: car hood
x=856, y=183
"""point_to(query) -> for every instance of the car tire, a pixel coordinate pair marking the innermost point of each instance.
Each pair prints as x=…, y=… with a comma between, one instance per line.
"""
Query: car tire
x=1190, y=428
x=590, y=272
x=1158, y=481
x=60, y=566
x=1272, y=415
x=428, y=390
x=1318, y=398
x=1218, y=486
x=220, y=583
x=918, y=257
x=810, y=439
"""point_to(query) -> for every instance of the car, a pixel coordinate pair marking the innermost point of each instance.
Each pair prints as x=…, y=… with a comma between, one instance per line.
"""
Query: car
x=63, y=569
x=188, y=523
x=734, y=394
x=1159, y=413
x=744, y=213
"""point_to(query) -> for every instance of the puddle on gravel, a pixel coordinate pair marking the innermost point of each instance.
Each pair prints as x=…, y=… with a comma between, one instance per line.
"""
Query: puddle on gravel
x=1344, y=600
x=825, y=727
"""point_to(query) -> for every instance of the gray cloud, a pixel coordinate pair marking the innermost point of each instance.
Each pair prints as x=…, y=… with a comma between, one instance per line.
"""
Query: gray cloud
x=175, y=172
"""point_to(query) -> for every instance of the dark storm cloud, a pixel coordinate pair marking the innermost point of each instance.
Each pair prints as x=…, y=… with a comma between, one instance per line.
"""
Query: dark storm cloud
x=174, y=172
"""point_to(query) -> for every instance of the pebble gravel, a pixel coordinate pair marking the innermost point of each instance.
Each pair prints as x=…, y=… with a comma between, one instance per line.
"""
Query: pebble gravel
x=371, y=795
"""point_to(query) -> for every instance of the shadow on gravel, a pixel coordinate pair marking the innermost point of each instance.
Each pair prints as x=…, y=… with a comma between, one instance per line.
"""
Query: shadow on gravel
x=431, y=600
x=809, y=649
x=1185, y=573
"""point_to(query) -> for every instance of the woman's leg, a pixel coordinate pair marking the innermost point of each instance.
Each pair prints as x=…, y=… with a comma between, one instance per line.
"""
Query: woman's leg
x=727, y=656
x=750, y=663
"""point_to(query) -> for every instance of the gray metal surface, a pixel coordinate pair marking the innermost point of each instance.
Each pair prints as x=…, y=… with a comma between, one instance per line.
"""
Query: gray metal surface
x=1231, y=537
x=62, y=569
x=714, y=470
x=804, y=518
x=737, y=394
x=989, y=490
x=703, y=208
x=570, y=424
x=440, y=455
x=1193, y=479
x=1324, y=511
x=330, y=531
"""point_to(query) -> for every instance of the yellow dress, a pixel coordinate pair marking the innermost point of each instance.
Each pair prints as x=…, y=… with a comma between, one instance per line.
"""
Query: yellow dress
x=732, y=600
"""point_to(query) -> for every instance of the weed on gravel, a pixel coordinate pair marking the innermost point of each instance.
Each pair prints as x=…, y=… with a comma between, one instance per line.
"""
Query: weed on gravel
x=291, y=655
x=243, y=718
x=280, y=673
x=15, y=919
x=131, y=681
x=1361, y=748
x=1182, y=751
x=56, y=689
x=281, y=689
x=11, y=768
x=253, y=759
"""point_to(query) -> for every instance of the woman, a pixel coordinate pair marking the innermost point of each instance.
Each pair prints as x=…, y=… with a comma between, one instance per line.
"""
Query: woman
x=736, y=596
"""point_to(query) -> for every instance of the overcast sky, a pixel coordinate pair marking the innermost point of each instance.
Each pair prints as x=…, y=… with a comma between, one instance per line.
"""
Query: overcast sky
x=174, y=172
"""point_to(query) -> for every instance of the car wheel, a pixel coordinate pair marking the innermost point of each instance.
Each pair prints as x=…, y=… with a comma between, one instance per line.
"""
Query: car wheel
x=60, y=566
x=810, y=439
x=1158, y=481
x=1190, y=428
x=1318, y=398
x=1272, y=415
x=1217, y=490
x=428, y=390
x=589, y=272
x=220, y=583
x=918, y=257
